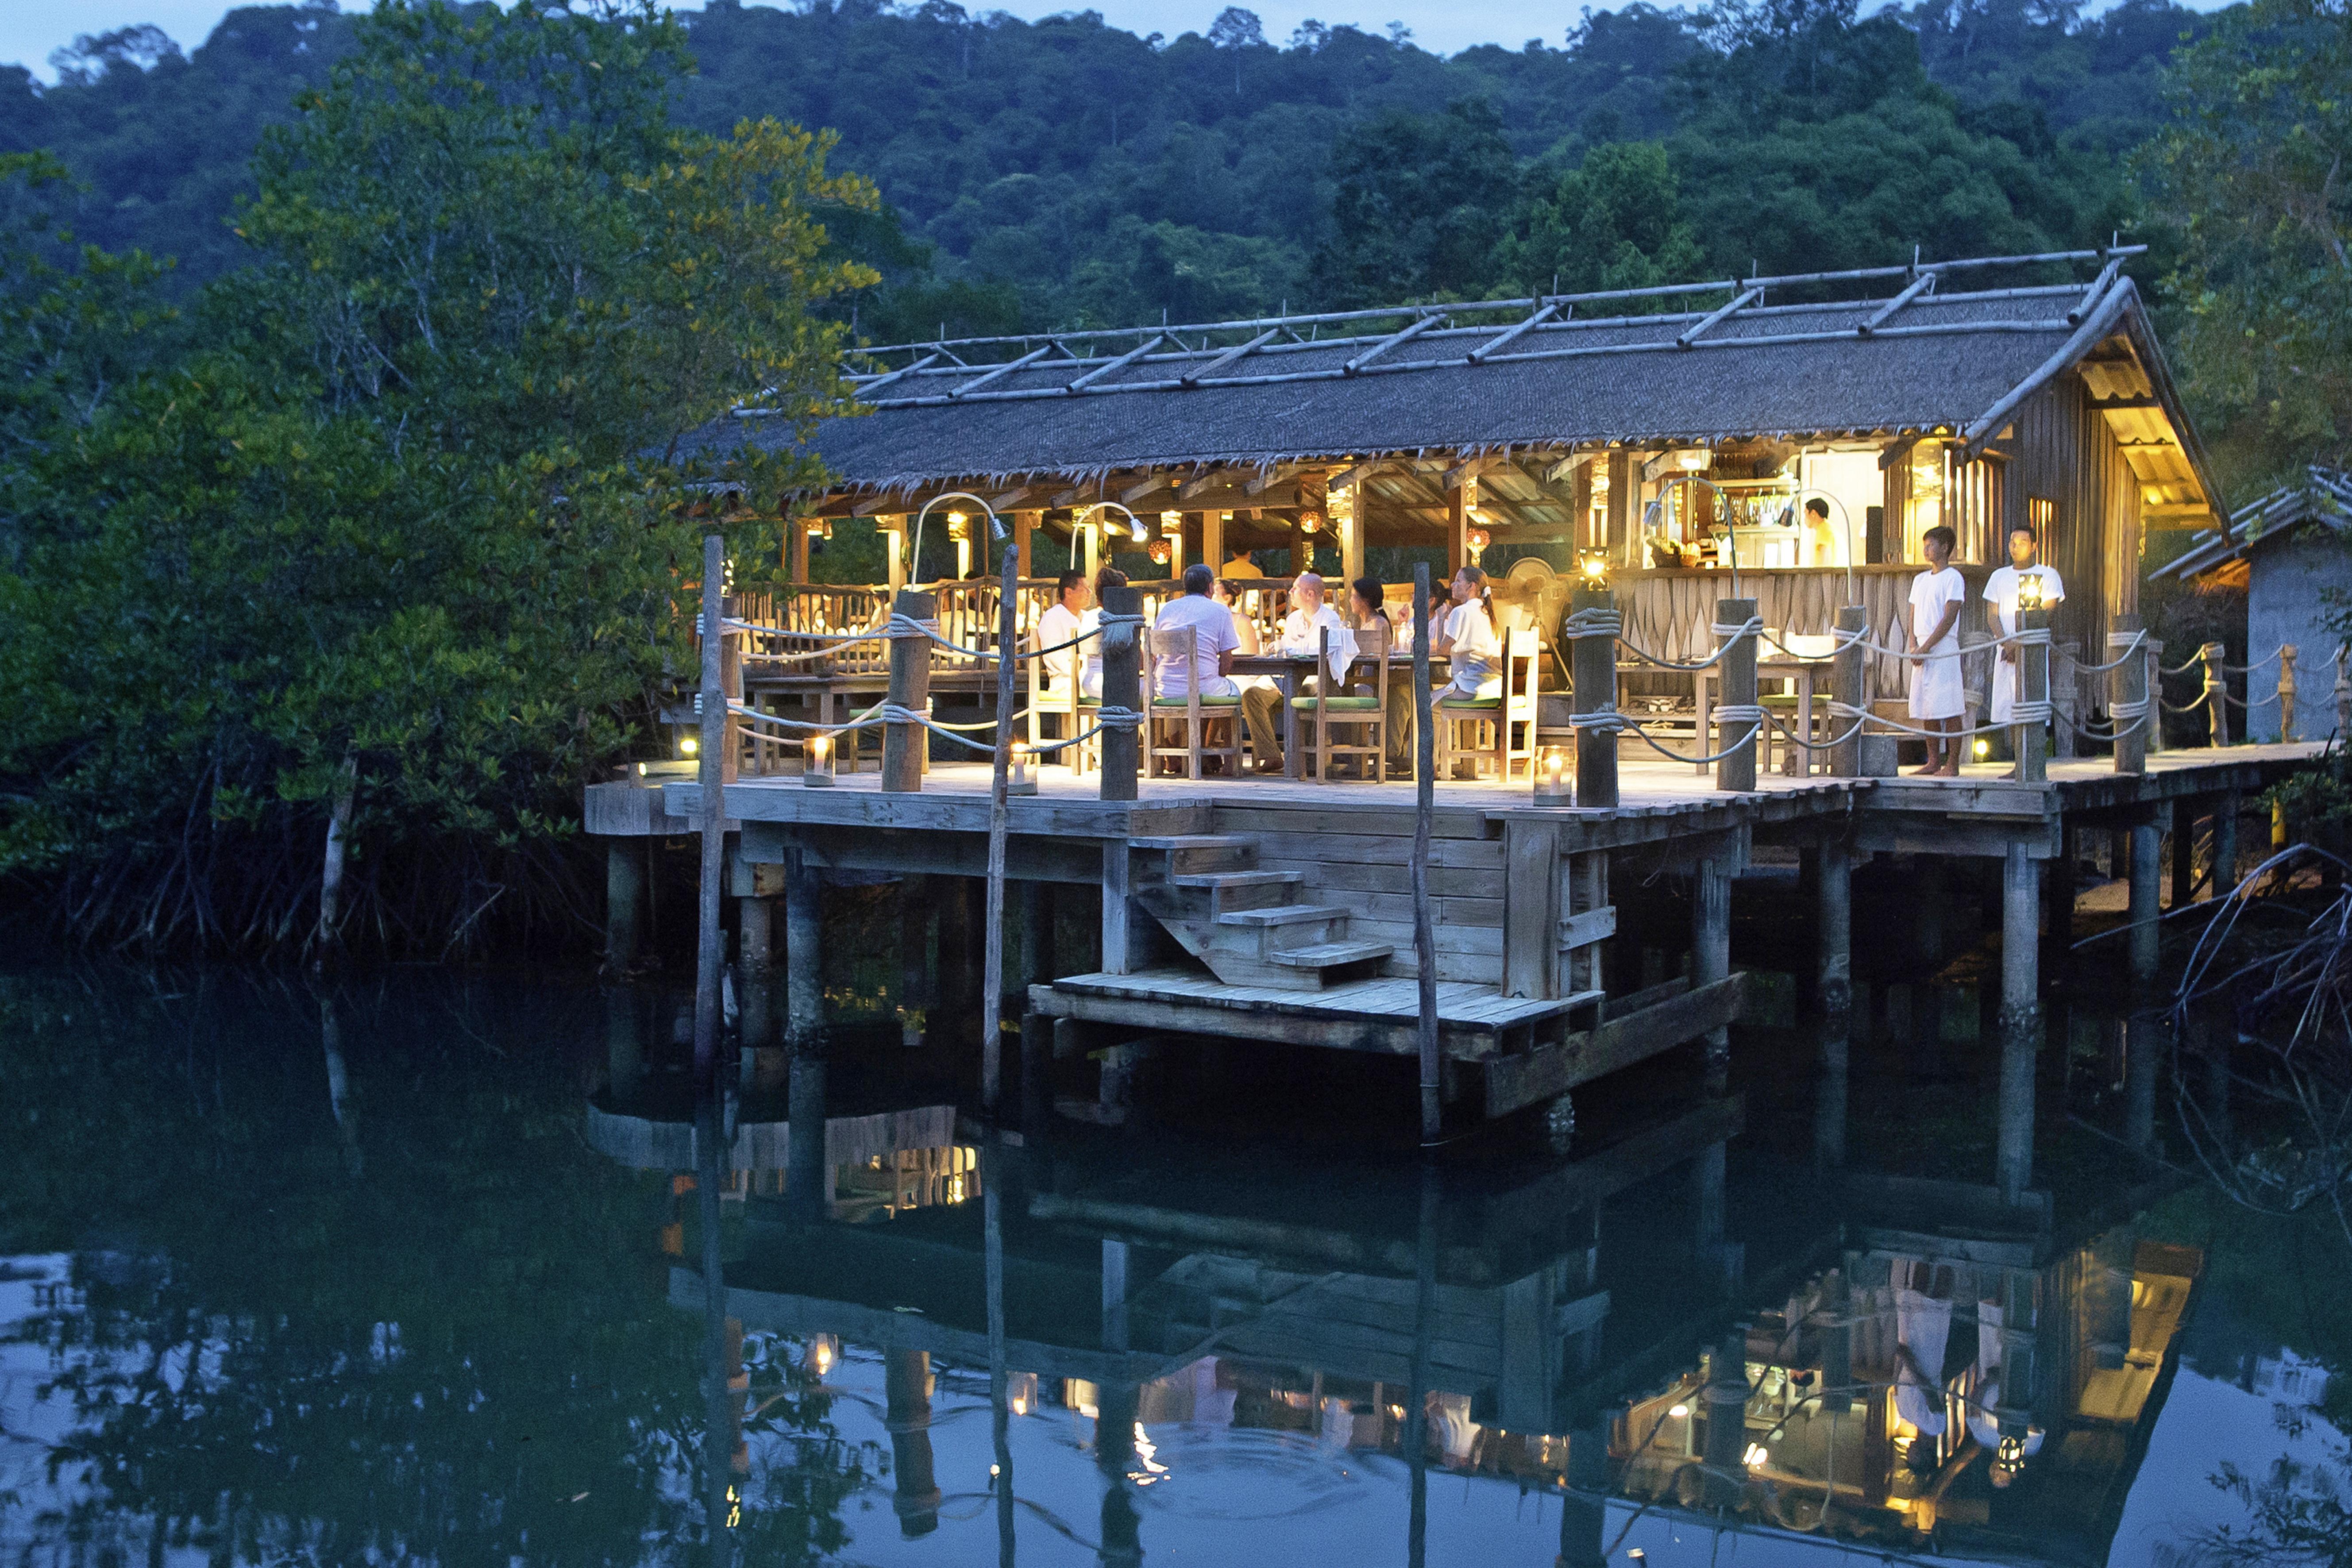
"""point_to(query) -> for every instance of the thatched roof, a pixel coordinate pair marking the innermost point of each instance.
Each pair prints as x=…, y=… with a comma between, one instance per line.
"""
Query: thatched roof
x=1418, y=380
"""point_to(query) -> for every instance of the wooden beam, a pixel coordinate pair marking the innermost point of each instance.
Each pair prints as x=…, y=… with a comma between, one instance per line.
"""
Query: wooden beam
x=1004, y=501
x=1516, y=1081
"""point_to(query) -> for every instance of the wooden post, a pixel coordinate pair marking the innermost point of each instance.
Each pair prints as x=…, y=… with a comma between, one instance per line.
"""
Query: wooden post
x=796, y=550
x=904, y=744
x=1122, y=657
x=624, y=896
x=1459, y=500
x=2184, y=853
x=2131, y=705
x=1593, y=660
x=2217, y=694
x=1711, y=952
x=1024, y=533
x=2146, y=867
x=1833, y=906
x=2142, y=1047
x=1347, y=527
x=893, y=529
x=1212, y=540
x=1846, y=685
x=1531, y=910
x=709, y=953
x=1314, y=499
x=2066, y=700
x=2286, y=695
x=1740, y=737
x=992, y=1005
x=731, y=682
x=1425, y=811
x=2225, y=844
x=755, y=932
x=2032, y=739
x=803, y=953
x=2153, y=652
x=1300, y=559
x=2021, y=1019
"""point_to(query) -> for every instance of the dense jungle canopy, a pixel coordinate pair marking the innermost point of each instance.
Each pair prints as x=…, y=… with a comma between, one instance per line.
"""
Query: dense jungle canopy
x=332, y=351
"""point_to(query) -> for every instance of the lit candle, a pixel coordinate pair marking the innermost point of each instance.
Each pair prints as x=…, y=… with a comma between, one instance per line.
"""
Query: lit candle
x=1551, y=782
x=1017, y=779
x=817, y=771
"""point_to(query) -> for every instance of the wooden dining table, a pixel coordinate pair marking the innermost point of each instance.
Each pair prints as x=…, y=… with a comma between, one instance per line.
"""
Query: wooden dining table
x=1290, y=672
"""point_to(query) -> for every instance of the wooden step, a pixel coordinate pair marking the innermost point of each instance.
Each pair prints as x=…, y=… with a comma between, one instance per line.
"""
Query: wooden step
x=1331, y=954
x=1283, y=915
x=1236, y=878
x=1198, y=853
x=1228, y=891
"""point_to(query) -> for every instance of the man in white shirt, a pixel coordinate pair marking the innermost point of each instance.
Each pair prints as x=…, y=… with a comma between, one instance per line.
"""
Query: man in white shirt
x=1302, y=637
x=1937, y=700
x=1059, y=625
x=2000, y=594
x=1213, y=640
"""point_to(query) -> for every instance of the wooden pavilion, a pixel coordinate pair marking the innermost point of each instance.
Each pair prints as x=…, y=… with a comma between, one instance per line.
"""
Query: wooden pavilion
x=1681, y=431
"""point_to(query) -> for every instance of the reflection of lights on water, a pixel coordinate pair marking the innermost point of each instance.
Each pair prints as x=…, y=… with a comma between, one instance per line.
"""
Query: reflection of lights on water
x=1144, y=1451
x=734, y=1508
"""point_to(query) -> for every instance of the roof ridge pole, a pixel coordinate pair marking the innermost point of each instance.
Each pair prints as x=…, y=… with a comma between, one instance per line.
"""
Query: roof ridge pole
x=2099, y=286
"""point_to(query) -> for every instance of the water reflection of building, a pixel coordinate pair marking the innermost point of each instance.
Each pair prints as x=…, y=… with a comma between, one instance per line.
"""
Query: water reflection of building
x=874, y=1166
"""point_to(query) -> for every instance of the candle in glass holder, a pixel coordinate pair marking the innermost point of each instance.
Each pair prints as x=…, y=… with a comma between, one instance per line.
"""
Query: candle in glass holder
x=1552, y=784
x=816, y=771
x=1016, y=772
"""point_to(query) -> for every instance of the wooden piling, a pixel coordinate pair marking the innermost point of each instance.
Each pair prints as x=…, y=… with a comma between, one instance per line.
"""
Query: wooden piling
x=1122, y=690
x=709, y=941
x=2225, y=845
x=1833, y=923
x=904, y=744
x=2183, y=839
x=1711, y=954
x=1846, y=667
x=754, y=932
x=1593, y=662
x=2286, y=695
x=1739, y=739
x=1425, y=810
x=2217, y=694
x=804, y=955
x=2146, y=867
x=2019, y=1020
x=2129, y=695
x=2031, y=740
x=624, y=896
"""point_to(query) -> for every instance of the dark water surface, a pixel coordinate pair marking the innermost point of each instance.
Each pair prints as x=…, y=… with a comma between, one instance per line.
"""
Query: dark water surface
x=413, y=1268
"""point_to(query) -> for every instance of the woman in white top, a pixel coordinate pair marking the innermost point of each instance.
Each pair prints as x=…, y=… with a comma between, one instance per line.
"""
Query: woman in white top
x=1090, y=677
x=1937, y=700
x=1465, y=636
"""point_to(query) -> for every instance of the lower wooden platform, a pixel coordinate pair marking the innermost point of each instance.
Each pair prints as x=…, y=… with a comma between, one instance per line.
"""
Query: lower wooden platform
x=1474, y=1021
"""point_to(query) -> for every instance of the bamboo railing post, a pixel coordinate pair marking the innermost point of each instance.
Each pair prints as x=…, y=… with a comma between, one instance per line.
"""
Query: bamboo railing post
x=1740, y=737
x=1594, y=665
x=1122, y=691
x=2131, y=708
x=1846, y=686
x=992, y=1008
x=905, y=742
x=708, y=958
x=2287, y=694
x=1425, y=811
x=2031, y=737
x=2217, y=694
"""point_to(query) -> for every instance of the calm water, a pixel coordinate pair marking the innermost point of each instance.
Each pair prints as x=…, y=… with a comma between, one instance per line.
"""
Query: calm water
x=414, y=1269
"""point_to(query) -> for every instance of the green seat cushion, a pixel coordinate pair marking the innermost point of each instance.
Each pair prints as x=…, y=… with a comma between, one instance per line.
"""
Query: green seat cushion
x=1205, y=702
x=1338, y=704
x=1471, y=702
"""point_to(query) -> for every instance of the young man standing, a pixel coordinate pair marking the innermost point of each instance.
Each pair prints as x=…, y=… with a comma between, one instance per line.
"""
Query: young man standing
x=2001, y=594
x=1938, y=699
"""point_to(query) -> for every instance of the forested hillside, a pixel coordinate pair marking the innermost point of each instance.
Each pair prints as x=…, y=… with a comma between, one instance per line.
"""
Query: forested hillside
x=1066, y=171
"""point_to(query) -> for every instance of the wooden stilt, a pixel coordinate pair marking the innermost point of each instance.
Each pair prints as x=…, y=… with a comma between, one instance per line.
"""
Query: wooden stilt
x=991, y=1007
x=709, y=941
x=2019, y=1020
x=2146, y=866
x=624, y=896
x=1711, y=954
x=804, y=955
x=1424, y=934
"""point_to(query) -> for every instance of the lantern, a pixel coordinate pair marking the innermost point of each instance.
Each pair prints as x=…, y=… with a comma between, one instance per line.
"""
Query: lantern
x=1592, y=567
x=2030, y=591
x=1016, y=771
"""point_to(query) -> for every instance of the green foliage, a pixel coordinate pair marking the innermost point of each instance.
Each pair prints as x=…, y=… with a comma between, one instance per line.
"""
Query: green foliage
x=398, y=515
x=1616, y=221
x=2250, y=174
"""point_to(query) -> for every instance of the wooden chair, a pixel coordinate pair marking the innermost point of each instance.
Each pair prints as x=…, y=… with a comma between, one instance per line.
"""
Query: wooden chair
x=1075, y=712
x=1500, y=729
x=1189, y=716
x=1347, y=710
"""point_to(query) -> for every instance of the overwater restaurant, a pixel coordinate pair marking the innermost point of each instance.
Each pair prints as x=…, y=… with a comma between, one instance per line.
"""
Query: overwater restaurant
x=1801, y=434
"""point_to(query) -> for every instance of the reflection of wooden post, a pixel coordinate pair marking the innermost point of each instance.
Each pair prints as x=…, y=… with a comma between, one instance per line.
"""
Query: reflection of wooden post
x=2130, y=708
x=2031, y=737
x=1739, y=738
x=1594, y=664
x=2287, y=694
x=1846, y=671
x=1122, y=655
x=2217, y=694
x=2020, y=1008
x=904, y=744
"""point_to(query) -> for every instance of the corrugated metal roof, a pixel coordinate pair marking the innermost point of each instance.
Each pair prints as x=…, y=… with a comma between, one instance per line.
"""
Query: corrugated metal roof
x=2325, y=497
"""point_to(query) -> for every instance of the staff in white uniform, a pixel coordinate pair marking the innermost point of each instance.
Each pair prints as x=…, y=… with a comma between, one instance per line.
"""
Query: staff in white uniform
x=1057, y=626
x=1936, y=698
x=2001, y=594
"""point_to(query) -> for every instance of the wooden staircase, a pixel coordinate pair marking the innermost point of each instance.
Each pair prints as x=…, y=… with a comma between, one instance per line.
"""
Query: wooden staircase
x=1250, y=927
